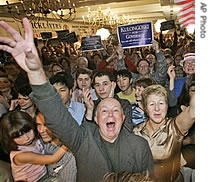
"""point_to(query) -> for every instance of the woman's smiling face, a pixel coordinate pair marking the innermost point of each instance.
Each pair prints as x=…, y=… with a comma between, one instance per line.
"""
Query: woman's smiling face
x=157, y=108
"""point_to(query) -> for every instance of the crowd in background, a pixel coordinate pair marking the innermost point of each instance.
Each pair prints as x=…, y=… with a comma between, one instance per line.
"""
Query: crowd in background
x=166, y=68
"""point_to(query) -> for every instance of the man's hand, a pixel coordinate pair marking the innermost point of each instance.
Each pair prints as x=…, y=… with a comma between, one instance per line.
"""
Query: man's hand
x=171, y=72
x=155, y=46
x=111, y=94
x=24, y=51
x=120, y=51
x=88, y=103
x=13, y=105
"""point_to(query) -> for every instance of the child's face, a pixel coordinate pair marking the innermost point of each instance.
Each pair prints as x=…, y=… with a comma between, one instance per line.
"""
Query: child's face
x=124, y=83
x=27, y=139
x=138, y=92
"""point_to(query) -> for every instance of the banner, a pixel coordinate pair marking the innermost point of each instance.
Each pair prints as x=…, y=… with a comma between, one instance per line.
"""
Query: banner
x=91, y=43
x=186, y=14
x=135, y=35
x=14, y=24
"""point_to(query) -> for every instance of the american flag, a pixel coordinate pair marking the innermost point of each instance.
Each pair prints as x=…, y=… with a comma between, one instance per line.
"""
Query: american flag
x=186, y=15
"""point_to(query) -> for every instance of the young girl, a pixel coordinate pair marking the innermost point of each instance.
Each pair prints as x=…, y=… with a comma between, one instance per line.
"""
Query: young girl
x=19, y=137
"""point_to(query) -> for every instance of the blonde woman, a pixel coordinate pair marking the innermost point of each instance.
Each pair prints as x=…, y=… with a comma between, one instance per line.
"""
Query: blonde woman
x=164, y=135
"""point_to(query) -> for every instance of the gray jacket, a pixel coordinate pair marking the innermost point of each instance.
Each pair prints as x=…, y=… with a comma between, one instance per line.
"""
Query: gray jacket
x=85, y=141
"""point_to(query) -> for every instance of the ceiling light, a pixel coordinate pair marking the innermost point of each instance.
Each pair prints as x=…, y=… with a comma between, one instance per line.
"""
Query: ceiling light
x=38, y=9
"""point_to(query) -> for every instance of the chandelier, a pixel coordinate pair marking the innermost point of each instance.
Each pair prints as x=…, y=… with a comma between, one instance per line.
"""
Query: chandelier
x=42, y=9
x=104, y=18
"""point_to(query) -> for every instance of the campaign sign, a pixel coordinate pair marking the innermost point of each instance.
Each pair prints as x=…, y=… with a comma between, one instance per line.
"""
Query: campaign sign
x=71, y=37
x=62, y=35
x=91, y=43
x=46, y=35
x=135, y=35
x=167, y=25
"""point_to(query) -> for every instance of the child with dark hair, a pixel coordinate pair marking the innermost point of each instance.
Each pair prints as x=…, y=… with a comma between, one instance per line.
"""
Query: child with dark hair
x=124, y=82
x=138, y=114
x=19, y=137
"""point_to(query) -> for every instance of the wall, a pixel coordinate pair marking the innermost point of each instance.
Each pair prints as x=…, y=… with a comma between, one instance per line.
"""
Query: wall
x=48, y=26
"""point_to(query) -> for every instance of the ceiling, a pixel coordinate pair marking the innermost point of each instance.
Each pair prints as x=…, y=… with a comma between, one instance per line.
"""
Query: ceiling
x=137, y=10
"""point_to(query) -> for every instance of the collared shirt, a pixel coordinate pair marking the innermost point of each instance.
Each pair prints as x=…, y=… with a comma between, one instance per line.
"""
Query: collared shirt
x=77, y=111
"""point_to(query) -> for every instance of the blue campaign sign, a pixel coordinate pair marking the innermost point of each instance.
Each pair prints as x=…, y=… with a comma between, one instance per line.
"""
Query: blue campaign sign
x=135, y=35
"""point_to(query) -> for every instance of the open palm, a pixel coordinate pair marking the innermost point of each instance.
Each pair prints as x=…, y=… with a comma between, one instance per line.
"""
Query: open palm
x=22, y=50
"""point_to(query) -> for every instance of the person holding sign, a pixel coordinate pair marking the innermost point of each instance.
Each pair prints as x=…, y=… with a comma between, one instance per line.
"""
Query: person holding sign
x=169, y=43
x=143, y=66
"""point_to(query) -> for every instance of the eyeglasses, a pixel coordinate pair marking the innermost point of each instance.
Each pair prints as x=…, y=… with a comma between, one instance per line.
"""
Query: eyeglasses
x=189, y=63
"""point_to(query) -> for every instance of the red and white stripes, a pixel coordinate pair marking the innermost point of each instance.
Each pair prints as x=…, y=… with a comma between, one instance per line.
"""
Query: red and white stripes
x=186, y=15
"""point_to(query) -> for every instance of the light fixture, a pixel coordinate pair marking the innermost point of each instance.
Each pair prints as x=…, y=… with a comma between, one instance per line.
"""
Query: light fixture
x=191, y=28
x=39, y=9
x=101, y=18
x=103, y=32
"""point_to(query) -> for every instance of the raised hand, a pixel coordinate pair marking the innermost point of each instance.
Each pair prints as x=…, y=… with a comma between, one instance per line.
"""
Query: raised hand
x=111, y=94
x=120, y=51
x=13, y=105
x=88, y=103
x=171, y=72
x=155, y=46
x=24, y=51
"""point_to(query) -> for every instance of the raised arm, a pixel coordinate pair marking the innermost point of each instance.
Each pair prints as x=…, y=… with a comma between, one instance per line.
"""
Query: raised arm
x=44, y=95
x=160, y=75
x=186, y=118
x=172, y=95
x=89, y=104
x=24, y=52
x=40, y=159
x=120, y=59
